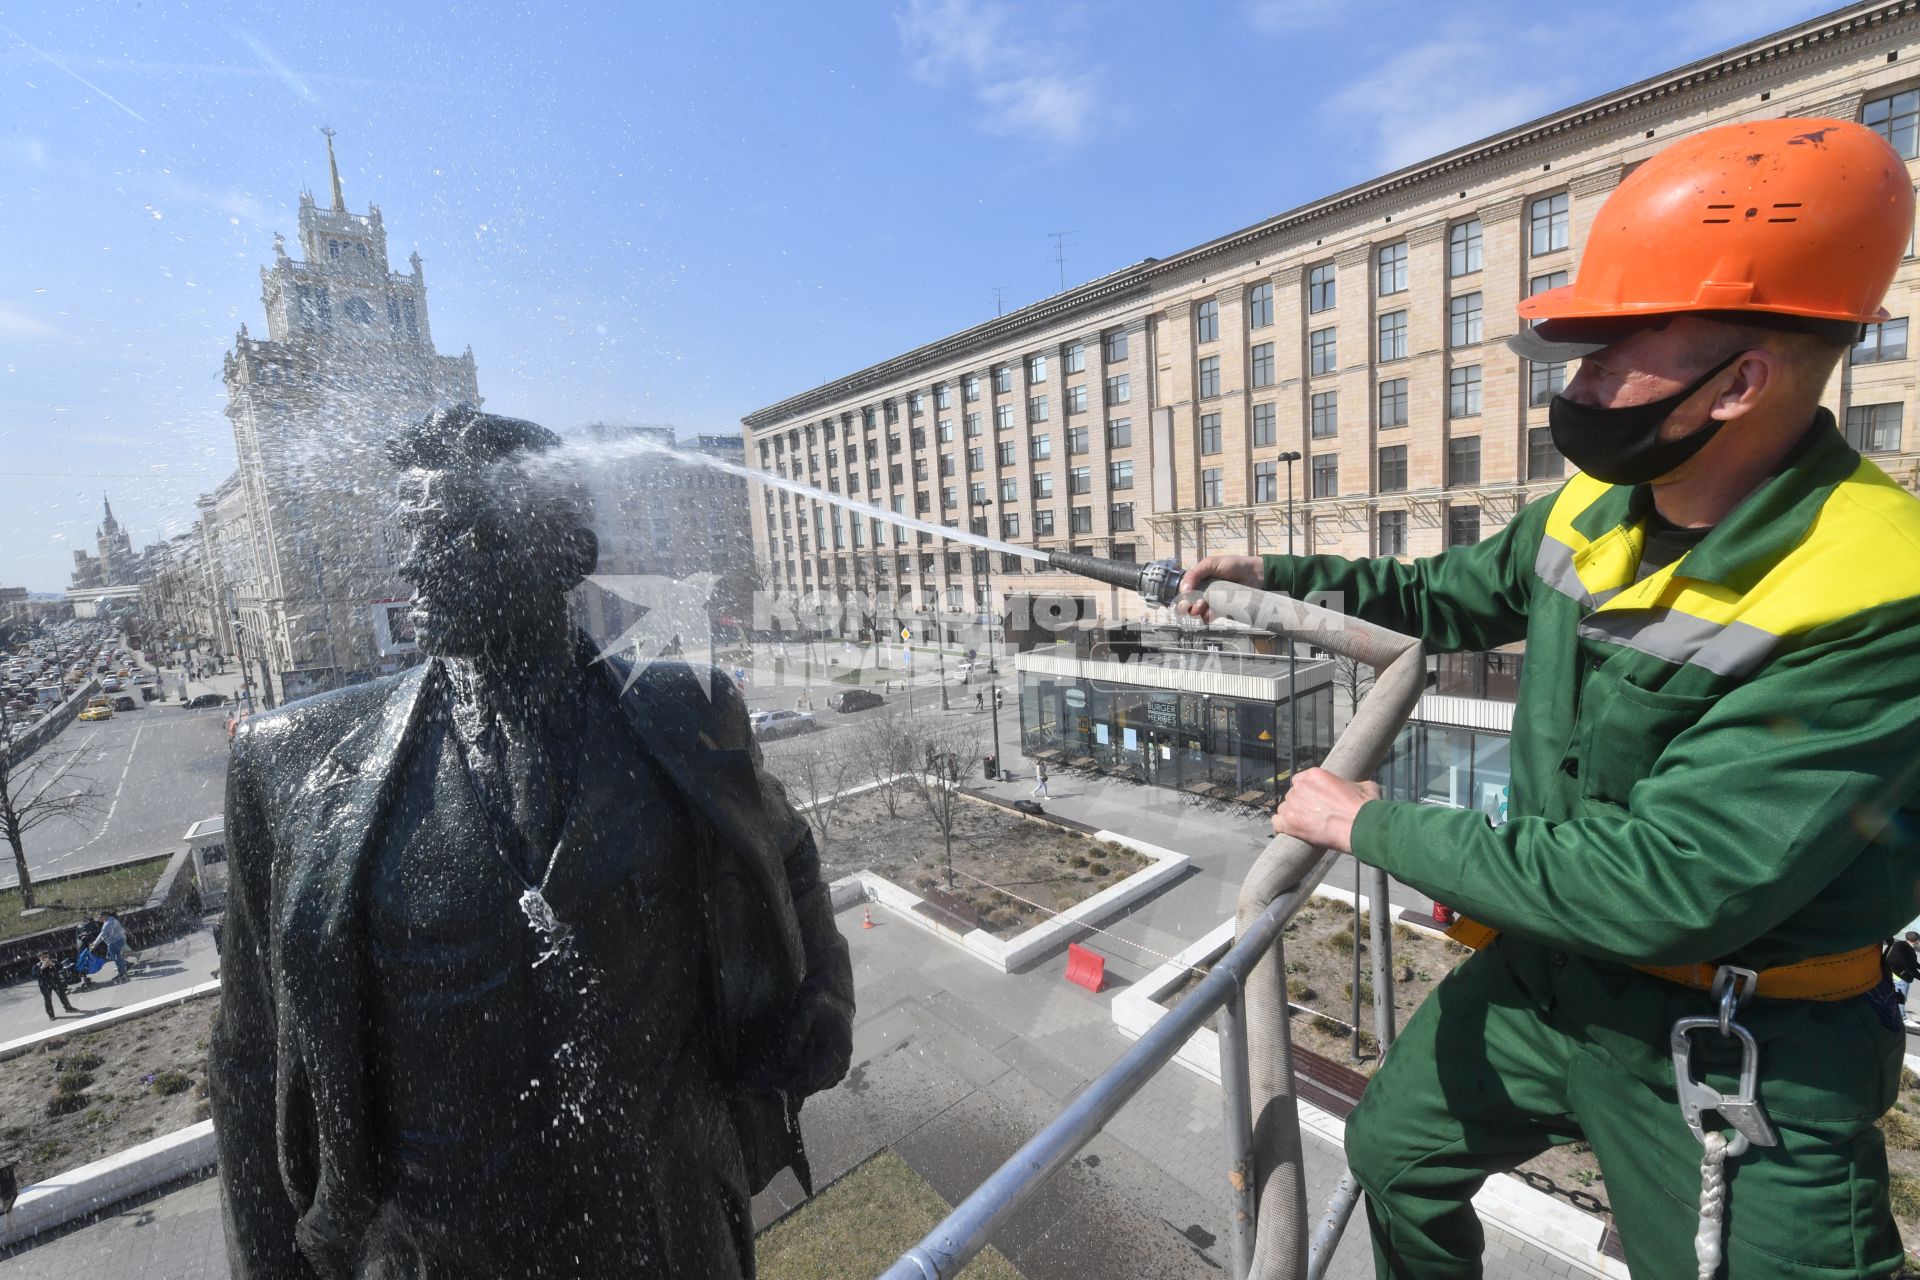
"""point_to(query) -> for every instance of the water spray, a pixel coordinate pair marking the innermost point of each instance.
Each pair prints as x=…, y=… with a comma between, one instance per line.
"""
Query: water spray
x=1158, y=581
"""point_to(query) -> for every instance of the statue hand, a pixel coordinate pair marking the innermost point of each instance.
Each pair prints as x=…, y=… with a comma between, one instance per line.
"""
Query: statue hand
x=818, y=1045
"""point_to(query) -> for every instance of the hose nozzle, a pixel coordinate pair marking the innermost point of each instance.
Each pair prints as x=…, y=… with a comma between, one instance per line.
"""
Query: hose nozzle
x=1157, y=581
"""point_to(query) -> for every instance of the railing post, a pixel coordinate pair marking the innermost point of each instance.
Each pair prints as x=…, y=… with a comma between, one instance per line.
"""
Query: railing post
x=1381, y=929
x=1237, y=1102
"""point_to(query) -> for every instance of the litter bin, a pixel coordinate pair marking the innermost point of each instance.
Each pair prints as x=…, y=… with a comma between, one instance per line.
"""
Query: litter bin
x=991, y=765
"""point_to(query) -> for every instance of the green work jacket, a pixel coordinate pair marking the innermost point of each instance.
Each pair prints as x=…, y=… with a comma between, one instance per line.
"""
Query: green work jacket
x=1718, y=763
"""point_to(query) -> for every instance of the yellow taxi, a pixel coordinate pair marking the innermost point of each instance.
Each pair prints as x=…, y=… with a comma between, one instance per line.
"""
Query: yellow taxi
x=97, y=713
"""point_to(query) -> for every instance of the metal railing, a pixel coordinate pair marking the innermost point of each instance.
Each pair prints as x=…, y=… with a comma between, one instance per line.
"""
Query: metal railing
x=1264, y=1173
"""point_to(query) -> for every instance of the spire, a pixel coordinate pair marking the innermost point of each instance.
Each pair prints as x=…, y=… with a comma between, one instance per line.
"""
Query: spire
x=108, y=506
x=333, y=168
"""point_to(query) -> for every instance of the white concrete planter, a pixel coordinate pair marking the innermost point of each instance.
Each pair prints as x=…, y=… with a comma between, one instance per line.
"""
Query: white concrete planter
x=105, y=1183
x=1009, y=955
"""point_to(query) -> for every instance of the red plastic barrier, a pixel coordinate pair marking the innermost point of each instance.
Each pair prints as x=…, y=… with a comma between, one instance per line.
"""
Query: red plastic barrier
x=1443, y=916
x=1088, y=968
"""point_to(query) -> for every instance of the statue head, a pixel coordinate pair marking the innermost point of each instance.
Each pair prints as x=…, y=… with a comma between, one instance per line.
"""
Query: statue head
x=498, y=533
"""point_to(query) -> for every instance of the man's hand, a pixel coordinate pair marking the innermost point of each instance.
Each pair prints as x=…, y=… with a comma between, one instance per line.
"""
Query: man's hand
x=1320, y=809
x=818, y=1047
x=1248, y=571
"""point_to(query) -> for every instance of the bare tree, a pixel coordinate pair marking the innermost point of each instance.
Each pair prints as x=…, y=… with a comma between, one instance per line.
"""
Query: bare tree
x=942, y=762
x=817, y=769
x=883, y=744
x=1352, y=678
x=27, y=799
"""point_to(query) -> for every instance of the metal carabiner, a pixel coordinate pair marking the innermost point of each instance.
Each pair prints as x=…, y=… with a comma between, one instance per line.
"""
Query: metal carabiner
x=1732, y=987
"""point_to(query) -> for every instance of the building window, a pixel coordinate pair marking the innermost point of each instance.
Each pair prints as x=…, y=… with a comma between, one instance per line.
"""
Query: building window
x=1080, y=480
x=1076, y=399
x=1010, y=525
x=1321, y=292
x=1043, y=484
x=976, y=459
x=1265, y=426
x=1463, y=460
x=1009, y=491
x=917, y=402
x=1874, y=428
x=919, y=468
x=1119, y=389
x=1212, y=488
x=1463, y=526
x=1042, y=446
x=1116, y=344
x=1002, y=380
x=1260, y=306
x=1391, y=270
x=1210, y=433
x=1322, y=352
x=1896, y=119
x=1003, y=417
x=943, y=397
x=1036, y=409
x=1263, y=365
x=973, y=425
x=949, y=497
x=1551, y=280
x=1463, y=391
x=1209, y=377
x=1266, y=481
x=1074, y=359
x=1545, y=381
x=921, y=502
x=1393, y=336
x=1206, y=321
x=1326, y=475
x=971, y=387
x=1393, y=469
x=945, y=432
x=1547, y=223
x=946, y=464
x=977, y=494
x=1886, y=340
x=1119, y=433
x=1392, y=527
x=1120, y=475
x=1043, y=524
x=1543, y=459
x=896, y=474
x=1013, y=564
x=919, y=437
x=1079, y=519
x=1077, y=440
x=1036, y=369
x=1120, y=517
x=1006, y=450
x=1463, y=248
x=1463, y=320
x=893, y=412
x=1325, y=414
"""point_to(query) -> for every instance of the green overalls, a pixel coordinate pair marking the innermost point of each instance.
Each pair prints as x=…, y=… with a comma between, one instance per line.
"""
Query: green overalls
x=1719, y=763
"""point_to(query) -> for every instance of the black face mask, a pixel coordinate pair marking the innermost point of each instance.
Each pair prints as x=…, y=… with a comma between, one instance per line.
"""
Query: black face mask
x=1622, y=446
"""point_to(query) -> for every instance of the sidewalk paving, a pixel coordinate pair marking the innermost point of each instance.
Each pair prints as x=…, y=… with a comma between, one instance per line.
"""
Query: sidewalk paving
x=174, y=965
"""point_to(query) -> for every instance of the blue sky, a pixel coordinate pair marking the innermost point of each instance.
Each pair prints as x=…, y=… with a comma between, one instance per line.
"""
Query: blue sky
x=677, y=212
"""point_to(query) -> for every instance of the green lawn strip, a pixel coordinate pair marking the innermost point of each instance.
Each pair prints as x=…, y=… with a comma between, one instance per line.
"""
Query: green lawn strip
x=118, y=889
x=860, y=1225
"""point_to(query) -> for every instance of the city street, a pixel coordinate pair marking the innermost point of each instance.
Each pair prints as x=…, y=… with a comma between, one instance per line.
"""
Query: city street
x=158, y=770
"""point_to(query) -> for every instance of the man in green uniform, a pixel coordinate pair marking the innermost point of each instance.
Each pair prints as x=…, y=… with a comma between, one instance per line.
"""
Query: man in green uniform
x=1716, y=751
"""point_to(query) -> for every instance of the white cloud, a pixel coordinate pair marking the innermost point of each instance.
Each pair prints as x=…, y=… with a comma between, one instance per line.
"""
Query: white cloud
x=1283, y=17
x=238, y=204
x=18, y=326
x=1024, y=81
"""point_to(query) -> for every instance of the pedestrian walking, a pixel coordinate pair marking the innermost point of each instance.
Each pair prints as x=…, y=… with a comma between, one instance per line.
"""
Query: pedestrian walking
x=114, y=937
x=979, y=700
x=1040, y=781
x=46, y=971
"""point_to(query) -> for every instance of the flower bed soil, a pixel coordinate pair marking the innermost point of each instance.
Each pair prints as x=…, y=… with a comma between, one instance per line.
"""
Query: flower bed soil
x=1013, y=871
x=83, y=1097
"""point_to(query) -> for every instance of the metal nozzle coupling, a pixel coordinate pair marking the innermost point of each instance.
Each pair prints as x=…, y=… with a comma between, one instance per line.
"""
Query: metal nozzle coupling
x=1158, y=581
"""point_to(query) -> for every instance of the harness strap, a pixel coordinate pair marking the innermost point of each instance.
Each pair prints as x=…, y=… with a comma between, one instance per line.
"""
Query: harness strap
x=1835, y=977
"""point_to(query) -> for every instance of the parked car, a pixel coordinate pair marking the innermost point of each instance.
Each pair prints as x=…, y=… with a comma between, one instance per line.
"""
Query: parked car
x=778, y=724
x=853, y=700
x=150, y=693
x=111, y=684
x=97, y=713
x=125, y=702
x=200, y=700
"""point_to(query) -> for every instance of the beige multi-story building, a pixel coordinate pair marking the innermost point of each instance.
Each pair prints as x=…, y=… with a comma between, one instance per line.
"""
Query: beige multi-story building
x=348, y=357
x=1144, y=414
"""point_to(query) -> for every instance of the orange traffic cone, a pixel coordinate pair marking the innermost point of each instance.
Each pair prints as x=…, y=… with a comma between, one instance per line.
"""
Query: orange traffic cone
x=866, y=917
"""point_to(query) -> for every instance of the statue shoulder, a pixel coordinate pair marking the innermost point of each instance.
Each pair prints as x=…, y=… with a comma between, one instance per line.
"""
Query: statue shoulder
x=705, y=699
x=291, y=739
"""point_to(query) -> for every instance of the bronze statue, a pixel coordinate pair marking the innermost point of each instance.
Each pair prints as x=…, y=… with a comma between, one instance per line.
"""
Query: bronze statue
x=527, y=964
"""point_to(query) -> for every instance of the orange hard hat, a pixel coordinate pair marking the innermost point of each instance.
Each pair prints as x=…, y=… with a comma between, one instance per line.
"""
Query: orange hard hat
x=1793, y=218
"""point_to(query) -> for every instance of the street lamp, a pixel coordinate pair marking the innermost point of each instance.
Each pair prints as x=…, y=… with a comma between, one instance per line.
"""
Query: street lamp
x=1290, y=457
x=993, y=648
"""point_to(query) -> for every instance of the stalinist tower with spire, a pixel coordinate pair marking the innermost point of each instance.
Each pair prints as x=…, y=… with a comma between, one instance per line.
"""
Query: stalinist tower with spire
x=348, y=357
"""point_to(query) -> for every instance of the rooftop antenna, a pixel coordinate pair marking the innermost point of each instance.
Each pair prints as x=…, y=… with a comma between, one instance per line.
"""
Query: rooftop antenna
x=333, y=167
x=999, y=300
x=1060, y=247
